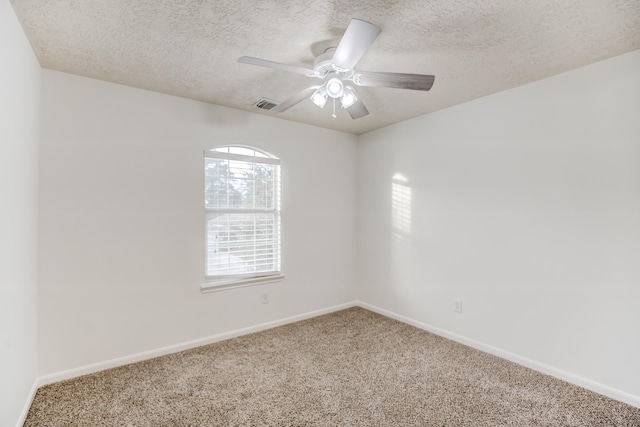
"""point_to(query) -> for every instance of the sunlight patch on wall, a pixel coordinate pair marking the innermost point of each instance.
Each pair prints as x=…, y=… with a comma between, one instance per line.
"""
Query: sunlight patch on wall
x=401, y=204
x=401, y=251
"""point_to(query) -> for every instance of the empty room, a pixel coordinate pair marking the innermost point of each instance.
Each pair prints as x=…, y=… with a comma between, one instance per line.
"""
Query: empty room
x=319, y=213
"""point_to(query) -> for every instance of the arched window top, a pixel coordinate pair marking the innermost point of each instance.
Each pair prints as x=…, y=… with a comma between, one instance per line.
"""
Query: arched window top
x=242, y=153
x=243, y=150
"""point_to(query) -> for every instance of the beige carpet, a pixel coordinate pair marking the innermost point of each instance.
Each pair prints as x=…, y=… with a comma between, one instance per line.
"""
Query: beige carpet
x=350, y=368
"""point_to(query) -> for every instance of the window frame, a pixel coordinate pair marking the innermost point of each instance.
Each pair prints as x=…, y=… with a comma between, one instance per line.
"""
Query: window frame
x=227, y=281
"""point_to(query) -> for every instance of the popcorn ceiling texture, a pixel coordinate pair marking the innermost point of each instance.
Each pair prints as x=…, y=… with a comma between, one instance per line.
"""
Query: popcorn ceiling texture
x=349, y=368
x=189, y=48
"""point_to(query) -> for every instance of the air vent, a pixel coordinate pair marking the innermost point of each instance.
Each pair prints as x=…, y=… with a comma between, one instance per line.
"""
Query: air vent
x=266, y=104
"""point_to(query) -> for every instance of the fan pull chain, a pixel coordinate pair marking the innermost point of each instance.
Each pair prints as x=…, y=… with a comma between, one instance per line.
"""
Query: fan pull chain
x=334, y=109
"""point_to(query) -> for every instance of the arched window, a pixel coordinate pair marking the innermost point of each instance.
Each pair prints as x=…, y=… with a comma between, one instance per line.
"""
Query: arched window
x=242, y=205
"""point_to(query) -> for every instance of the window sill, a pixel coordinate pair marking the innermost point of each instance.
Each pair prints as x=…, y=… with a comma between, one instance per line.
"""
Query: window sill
x=240, y=283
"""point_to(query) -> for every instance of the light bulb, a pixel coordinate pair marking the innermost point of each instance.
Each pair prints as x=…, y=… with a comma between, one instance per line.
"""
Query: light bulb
x=319, y=97
x=335, y=87
x=348, y=97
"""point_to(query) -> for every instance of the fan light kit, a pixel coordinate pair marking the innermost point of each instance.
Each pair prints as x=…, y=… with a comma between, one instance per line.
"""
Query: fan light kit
x=337, y=66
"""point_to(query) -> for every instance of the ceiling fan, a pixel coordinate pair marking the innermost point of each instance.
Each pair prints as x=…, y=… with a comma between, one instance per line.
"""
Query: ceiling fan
x=336, y=67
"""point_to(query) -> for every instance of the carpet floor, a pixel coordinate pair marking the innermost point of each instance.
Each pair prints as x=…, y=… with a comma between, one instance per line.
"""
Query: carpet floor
x=349, y=368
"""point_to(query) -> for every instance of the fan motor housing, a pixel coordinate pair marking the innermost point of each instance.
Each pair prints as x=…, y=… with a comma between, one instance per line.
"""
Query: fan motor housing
x=322, y=64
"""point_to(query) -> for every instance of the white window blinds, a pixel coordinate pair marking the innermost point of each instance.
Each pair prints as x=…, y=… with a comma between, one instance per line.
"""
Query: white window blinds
x=242, y=204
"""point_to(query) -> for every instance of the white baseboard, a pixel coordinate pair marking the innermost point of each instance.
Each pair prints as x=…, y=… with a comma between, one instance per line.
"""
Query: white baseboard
x=113, y=363
x=27, y=403
x=594, y=386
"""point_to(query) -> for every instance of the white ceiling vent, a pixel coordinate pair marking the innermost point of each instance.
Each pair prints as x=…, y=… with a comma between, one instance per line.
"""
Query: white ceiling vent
x=266, y=104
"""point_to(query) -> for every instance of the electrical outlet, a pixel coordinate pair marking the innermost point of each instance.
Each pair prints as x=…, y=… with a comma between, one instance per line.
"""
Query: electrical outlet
x=265, y=298
x=457, y=305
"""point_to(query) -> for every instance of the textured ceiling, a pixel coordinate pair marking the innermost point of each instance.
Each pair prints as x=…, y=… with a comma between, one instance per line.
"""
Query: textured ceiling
x=190, y=48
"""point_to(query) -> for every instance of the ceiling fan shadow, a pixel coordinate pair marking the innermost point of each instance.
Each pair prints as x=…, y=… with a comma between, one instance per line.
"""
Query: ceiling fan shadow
x=318, y=48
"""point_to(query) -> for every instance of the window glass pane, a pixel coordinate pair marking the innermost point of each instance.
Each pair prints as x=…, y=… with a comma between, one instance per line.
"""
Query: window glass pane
x=216, y=183
x=238, y=184
x=242, y=243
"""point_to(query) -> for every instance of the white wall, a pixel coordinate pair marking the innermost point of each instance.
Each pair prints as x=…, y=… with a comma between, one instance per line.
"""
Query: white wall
x=19, y=115
x=525, y=205
x=122, y=221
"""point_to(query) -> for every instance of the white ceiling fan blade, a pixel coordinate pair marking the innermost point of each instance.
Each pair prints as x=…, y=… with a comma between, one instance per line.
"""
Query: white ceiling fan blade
x=295, y=99
x=354, y=43
x=276, y=65
x=394, y=80
x=357, y=110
